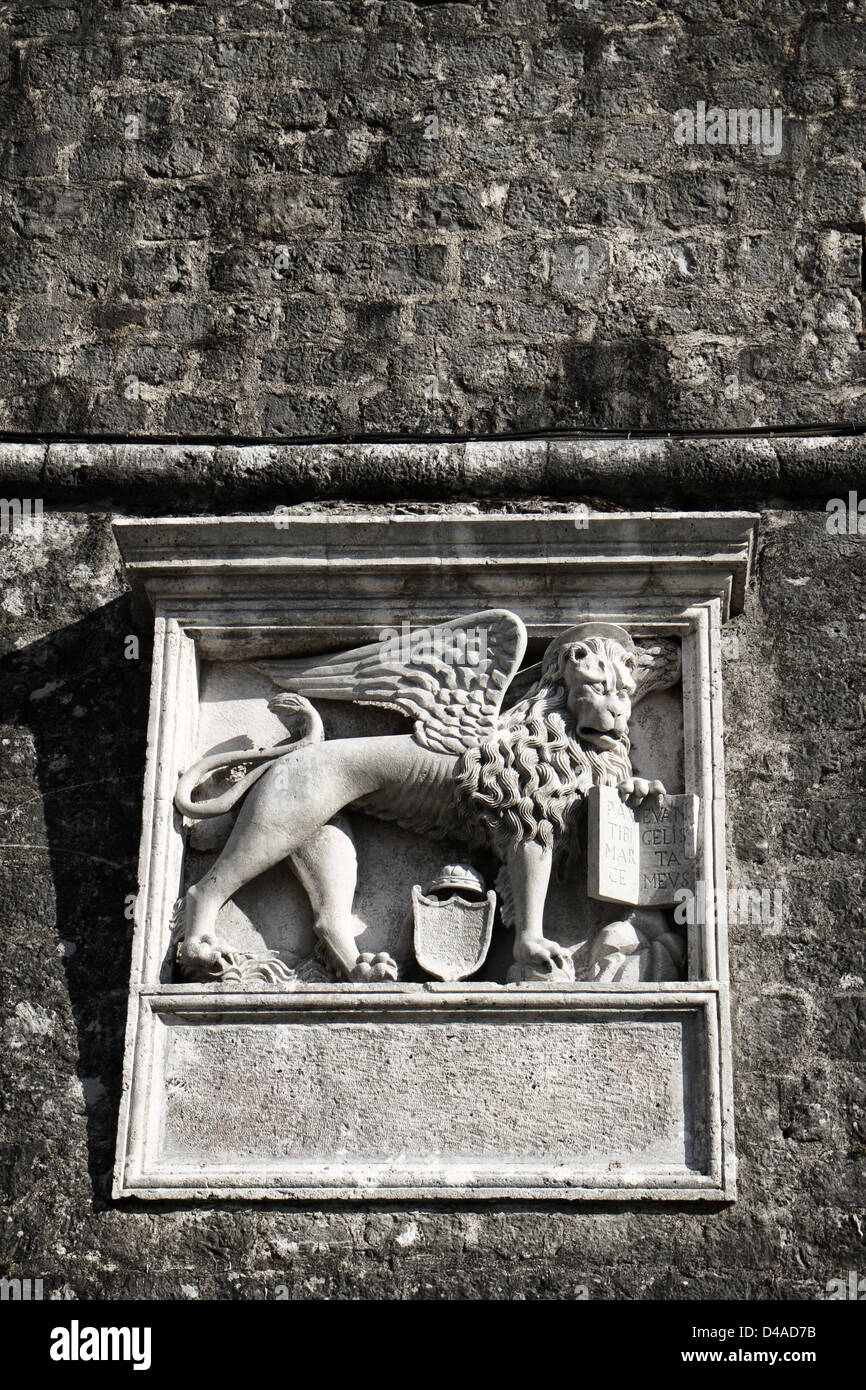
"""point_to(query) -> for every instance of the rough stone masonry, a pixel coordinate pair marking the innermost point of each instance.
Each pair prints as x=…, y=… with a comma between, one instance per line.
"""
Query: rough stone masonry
x=225, y=222
x=311, y=219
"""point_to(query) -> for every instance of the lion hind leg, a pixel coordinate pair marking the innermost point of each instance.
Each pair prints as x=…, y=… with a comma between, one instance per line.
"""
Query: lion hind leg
x=289, y=815
x=327, y=866
x=293, y=800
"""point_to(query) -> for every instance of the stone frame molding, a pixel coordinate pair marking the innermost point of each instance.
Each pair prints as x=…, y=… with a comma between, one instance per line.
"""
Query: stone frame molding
x=237, y=587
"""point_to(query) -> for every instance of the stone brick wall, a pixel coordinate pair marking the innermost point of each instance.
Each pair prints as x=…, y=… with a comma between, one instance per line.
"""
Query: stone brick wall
x=309, y=218
x=245, y=219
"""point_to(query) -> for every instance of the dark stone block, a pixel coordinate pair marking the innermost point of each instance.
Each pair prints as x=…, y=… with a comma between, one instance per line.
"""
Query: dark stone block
x=295, y=415
x=414, y=269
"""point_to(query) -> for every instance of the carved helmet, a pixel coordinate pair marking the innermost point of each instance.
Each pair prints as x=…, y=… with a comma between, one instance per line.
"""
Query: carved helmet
x=457, y=878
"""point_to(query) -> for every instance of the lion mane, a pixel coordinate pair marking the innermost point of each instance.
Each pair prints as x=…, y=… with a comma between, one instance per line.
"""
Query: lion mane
x=527, y=781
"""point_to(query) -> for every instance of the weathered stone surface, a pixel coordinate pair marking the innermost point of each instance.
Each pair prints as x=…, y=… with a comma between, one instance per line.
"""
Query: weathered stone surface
x=278, y=593
x=482, y=1099
x=794, y=769
x=678, y=472
x=187, y=180
x=232, y=220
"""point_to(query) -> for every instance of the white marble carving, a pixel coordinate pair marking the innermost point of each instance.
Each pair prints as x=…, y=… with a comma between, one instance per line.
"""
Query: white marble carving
x=505, y=780
x=453, y=923
x=372, y=745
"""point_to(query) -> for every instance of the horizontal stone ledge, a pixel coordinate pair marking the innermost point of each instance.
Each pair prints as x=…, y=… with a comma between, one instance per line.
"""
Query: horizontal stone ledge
x=698, y=471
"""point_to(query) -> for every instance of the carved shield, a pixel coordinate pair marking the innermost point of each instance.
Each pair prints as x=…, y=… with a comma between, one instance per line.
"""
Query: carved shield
x=452, y=938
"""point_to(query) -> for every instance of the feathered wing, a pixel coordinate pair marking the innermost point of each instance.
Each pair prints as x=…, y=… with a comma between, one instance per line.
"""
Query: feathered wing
x=658, y=666
x=450, y=679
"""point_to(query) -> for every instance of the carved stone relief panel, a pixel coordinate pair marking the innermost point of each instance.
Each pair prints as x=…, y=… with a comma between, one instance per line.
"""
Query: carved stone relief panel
x=428, y=805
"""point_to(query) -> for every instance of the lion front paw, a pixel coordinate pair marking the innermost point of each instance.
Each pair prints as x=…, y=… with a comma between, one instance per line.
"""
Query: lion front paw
x=541, y=954
x=369, y=969
x=537, y=960
x=521, y=973
x=635, y=790
x=541, y=961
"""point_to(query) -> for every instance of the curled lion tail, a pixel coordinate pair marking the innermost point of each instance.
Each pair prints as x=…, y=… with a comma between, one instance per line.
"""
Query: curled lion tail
x=218, y=805
x=290, y=705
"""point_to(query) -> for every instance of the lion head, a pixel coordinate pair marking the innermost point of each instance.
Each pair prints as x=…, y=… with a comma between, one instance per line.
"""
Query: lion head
x=597, y=671
x=569, y=733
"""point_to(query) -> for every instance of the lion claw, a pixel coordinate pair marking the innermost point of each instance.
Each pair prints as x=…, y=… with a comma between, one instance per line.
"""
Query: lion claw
x=635, y=790
x=369, y=968
x=198, y=954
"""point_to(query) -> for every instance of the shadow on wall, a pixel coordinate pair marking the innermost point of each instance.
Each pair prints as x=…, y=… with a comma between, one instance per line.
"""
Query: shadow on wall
x=73, y=721
x=615, y=386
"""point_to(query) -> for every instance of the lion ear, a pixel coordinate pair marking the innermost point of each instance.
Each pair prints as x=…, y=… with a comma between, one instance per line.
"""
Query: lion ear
x=578, y=651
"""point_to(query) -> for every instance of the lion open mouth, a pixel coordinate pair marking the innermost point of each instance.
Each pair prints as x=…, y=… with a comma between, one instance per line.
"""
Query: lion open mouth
x=598, y=738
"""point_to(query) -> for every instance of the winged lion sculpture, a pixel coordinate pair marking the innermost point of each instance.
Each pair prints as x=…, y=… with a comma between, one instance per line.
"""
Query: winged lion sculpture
x=497, y=757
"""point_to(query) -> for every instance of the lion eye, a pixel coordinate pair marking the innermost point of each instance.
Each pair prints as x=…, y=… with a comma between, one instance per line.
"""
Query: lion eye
x=598, y=687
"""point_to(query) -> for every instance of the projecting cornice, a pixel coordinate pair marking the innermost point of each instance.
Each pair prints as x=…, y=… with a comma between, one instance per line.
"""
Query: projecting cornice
x=676, y=472
x=632, y=557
